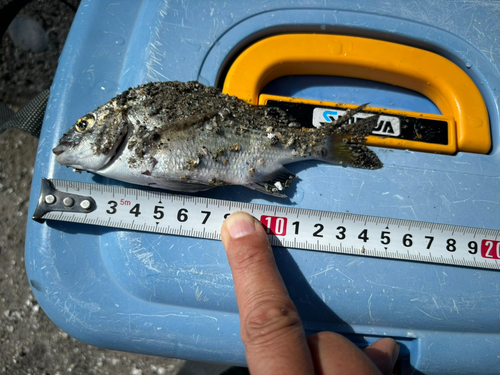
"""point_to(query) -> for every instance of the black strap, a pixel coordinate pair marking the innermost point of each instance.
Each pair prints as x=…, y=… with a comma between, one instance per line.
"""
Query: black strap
x=30, y=117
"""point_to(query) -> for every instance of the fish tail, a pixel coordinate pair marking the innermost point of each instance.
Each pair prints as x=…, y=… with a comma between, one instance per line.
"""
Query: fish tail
x=343, y=142
x=350, y=154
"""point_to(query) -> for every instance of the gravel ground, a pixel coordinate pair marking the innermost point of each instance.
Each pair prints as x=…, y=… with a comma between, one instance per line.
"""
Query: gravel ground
x=30, y=343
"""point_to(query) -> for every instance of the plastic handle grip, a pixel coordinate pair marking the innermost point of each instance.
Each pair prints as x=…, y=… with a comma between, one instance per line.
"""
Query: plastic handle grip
x=428, y=73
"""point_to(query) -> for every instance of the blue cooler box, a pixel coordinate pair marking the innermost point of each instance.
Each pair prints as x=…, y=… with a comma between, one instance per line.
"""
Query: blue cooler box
x=173, y=296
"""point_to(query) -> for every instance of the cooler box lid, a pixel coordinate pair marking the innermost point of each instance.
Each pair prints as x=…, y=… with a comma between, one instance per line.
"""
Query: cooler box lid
x=173, y=296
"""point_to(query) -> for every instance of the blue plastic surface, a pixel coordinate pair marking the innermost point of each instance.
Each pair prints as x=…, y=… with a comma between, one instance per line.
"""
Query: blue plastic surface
x=173, y=296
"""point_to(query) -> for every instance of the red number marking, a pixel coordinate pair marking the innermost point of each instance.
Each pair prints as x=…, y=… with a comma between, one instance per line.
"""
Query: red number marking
x=274, y=224
x=124, y=202
x=490, y=249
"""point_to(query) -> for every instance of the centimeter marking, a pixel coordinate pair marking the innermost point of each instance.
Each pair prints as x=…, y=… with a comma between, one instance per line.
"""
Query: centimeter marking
x=159, y=212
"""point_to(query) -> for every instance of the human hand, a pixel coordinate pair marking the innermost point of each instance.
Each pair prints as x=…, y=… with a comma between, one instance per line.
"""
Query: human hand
x=271, y=328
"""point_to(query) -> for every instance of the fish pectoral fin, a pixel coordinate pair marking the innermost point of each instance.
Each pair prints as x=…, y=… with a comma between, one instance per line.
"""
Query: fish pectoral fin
x=182, y=186
x=274, y=183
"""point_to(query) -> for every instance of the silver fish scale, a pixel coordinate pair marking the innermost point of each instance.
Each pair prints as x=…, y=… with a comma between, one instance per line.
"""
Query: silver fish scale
x=209, y=153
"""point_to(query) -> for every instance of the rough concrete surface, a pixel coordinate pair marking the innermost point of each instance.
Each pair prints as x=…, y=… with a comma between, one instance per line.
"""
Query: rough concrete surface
x=29, y=342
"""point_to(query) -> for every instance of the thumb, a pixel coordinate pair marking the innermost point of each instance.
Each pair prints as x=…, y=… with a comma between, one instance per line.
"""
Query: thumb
x=271, y=329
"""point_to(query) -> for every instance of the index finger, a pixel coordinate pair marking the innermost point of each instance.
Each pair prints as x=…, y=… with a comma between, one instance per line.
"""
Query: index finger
x=271, y=329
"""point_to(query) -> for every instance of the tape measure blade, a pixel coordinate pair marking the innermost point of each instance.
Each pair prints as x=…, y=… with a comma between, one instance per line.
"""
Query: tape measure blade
x=290, y=227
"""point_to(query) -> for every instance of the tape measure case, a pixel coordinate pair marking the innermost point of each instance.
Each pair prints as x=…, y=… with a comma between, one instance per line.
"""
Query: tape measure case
x=173, y=296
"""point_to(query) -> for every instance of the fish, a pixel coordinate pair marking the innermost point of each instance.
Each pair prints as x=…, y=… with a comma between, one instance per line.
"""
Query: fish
x=188, y=137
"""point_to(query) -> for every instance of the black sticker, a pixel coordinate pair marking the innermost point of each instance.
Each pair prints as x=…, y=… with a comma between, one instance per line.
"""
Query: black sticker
x=410, y=128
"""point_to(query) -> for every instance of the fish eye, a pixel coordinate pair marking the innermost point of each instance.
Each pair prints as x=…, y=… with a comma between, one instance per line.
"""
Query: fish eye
x=85, y=123
x=82, y=126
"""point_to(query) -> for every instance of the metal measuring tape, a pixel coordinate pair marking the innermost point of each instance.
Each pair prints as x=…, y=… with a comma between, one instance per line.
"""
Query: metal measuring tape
x=298, y=228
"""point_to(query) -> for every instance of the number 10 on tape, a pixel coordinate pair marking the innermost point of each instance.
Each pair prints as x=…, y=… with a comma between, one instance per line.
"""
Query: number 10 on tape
x=274, y=224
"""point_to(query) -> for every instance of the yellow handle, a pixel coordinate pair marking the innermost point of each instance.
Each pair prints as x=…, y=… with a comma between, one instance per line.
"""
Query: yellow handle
x=443, y=82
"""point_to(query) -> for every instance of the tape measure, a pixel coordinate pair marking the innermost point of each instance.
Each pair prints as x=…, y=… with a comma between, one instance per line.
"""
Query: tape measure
x=298, y=228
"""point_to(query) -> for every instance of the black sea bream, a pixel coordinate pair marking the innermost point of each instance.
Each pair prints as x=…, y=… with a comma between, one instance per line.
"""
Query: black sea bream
x=189, y=137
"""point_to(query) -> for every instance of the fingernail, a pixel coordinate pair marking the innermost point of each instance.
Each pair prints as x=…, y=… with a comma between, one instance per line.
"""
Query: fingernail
x=395, y=353
x=240, y=224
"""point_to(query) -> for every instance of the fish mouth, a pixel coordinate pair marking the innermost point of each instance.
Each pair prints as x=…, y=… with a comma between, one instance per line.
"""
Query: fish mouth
x=60, y=148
